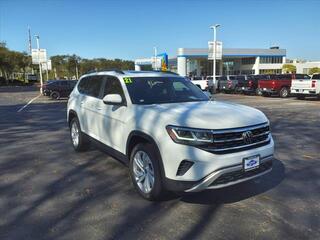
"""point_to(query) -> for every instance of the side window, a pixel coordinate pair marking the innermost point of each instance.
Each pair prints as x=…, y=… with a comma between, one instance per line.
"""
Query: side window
x=91, y=86
x=113, y=86
x=82, y=87
x=94, y=86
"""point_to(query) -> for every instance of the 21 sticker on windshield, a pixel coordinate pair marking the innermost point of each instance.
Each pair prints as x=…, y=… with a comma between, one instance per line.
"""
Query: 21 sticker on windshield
x=127, y=80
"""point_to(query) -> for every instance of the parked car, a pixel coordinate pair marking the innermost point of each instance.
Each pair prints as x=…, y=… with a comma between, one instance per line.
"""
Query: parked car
x=278, y=84
x=251, y=86
x=227, y=83
x=58, y=88
x=232, y=83
x=172, y=137
x=306, y=86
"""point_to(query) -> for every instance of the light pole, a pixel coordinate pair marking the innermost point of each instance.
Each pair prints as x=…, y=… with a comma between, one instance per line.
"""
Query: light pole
x=155, y=58
x=40, y=68
x=214, y=27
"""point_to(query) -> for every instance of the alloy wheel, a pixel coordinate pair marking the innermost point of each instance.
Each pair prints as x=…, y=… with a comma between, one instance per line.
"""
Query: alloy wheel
x=75, y=134
x=143, y=171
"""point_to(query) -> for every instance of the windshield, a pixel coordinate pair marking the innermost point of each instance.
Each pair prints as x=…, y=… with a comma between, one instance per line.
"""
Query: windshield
x=152, y=90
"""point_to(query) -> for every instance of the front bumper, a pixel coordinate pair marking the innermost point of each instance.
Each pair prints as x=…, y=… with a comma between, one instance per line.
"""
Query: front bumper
x=232, y=175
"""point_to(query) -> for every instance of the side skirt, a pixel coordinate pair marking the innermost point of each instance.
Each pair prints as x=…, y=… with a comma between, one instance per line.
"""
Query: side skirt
x=110, y=151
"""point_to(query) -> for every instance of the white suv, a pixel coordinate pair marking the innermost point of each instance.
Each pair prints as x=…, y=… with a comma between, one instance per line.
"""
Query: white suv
x=171, y=135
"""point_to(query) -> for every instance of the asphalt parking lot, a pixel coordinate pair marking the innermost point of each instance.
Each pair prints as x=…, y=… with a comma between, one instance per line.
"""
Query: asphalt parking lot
x=50, y=192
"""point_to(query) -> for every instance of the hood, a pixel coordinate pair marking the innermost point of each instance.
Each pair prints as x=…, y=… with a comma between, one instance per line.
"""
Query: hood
x=206, y=115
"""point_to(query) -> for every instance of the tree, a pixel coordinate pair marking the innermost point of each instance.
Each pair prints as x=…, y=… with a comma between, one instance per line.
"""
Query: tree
x=314, y=70
x=289, y=68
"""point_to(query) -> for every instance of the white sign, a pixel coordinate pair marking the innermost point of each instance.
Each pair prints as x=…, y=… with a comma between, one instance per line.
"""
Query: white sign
x=39, y=55
x=217, y=47
x=143, y=61
x=156, y=62
x=46, y=65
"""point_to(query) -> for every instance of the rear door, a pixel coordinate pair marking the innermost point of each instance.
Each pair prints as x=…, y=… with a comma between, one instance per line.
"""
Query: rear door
x=90, y=87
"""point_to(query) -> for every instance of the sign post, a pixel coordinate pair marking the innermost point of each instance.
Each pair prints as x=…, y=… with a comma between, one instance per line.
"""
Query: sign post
x=39, y=56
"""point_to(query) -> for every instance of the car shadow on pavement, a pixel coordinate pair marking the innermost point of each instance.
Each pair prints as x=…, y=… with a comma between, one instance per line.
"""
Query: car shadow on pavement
x=239, y=191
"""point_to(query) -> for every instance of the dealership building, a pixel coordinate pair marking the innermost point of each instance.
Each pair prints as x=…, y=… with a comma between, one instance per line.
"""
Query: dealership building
x=195, y=61
x=233, y=61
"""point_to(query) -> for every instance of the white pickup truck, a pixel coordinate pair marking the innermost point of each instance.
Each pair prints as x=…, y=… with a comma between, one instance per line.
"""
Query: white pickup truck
x=306, y=87
x=205, y=83
x=201, y=82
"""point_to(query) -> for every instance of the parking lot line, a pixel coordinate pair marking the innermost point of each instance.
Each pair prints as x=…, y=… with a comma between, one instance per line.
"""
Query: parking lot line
x=28, y=103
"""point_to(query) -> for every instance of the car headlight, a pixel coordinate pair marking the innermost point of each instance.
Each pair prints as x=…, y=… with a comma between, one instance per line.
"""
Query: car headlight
x=190, y=136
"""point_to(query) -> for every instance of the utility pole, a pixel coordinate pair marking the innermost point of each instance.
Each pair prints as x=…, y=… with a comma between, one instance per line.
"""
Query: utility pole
x=214, y=27
x=40, y=68
x=30, y=45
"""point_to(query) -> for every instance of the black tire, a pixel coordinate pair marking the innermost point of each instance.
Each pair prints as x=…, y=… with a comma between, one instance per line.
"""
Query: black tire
x=284, y=92
x=301, y=97
x=258, y=92
x=157, y=191
x=265, y=94
x=83, y=141
x=55, y=95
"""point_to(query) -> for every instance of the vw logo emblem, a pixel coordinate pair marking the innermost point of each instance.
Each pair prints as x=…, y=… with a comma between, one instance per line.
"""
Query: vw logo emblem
x=247, y=137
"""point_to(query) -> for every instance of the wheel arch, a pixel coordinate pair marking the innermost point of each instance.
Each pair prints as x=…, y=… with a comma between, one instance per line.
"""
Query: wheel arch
x=136, y=137
x=71, y=114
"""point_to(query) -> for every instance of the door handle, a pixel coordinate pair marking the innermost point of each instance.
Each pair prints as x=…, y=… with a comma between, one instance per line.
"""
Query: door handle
x=99, y=108
x=81, y=103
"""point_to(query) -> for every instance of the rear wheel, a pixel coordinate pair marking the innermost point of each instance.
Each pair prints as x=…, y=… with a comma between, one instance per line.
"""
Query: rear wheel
x=55, y=95
x=301, y=97
x=284, y=92
x=258, y=92
x=79, y=140
x=145, y=172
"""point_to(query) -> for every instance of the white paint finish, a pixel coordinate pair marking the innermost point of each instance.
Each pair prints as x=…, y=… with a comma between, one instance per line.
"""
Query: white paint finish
x=112, y=124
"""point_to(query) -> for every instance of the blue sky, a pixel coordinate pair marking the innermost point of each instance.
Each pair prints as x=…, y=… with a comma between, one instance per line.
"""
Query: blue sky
x=130, y=29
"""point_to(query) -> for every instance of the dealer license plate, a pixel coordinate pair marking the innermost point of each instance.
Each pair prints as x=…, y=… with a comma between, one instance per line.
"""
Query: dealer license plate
x=251, y=163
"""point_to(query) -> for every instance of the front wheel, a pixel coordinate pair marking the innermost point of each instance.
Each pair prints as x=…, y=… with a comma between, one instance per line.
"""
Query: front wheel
x=145, y=172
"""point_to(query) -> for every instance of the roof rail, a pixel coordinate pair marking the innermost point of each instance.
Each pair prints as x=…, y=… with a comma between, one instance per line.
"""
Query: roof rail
x=106, y=70
x=165, y=72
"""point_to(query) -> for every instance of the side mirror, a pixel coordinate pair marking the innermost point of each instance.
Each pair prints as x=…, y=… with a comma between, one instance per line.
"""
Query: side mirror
x=112, y=99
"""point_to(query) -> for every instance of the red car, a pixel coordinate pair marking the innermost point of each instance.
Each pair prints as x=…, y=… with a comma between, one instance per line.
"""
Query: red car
x=278, y=84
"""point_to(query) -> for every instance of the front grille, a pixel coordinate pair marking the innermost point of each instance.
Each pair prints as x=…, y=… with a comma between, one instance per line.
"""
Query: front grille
x=240, y=139
x=241, y=174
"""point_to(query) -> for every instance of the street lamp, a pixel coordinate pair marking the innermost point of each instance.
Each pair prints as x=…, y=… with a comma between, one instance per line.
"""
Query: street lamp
x=214, y=27
x=40, y=68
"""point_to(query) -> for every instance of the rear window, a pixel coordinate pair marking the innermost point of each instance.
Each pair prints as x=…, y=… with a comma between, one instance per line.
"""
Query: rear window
x=241, y=78
x=232, y=77
x=302, y=76
x=316, y=76
x=284, y=77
